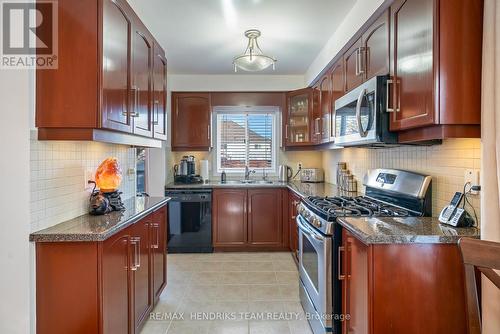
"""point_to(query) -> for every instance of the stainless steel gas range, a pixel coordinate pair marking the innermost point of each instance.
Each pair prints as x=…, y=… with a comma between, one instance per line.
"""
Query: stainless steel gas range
x=390, y=193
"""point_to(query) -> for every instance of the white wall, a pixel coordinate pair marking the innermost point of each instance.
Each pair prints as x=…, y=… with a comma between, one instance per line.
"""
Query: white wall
x=15, y=290
x=357, y=16
x=236, y=82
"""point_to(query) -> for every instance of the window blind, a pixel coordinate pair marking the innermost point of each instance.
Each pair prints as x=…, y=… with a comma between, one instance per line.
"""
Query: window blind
x=245, y=140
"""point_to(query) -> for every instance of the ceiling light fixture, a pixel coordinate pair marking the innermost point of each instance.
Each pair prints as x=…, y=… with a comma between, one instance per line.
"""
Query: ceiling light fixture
x=253, y=59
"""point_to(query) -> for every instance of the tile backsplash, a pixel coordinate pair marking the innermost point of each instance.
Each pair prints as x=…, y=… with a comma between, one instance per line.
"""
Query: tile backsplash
x=446, y=164
x=57, y=173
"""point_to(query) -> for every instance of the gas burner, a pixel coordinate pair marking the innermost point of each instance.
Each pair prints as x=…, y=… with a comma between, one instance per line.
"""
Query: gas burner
x=330, y=207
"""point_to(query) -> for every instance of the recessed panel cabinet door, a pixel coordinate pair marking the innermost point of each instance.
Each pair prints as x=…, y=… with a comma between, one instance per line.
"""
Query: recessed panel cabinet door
x=325, y=108
x=141, y=99
x=265, y=227
x=337, y=82
x=352, y=65
x=191, y=120
x=160, y=95
x=229, y=217
x=355, y=285
x=140, y=245
x=116, y=261
x=412, y=64
x=159, y=251
x=376, y=47
x=116, y=37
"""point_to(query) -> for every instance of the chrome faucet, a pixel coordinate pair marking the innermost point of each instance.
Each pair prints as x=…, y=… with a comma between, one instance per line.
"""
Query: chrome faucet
x=247, y=173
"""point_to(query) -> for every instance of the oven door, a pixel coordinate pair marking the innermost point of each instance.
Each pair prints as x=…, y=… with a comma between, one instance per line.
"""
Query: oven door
x=315, y=268
x=356, y=116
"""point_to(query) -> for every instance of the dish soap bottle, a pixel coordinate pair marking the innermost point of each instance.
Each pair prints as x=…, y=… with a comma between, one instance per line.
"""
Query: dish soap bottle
x=223, y=177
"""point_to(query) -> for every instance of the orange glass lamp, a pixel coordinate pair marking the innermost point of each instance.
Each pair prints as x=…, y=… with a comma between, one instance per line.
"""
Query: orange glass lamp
x=108, y=178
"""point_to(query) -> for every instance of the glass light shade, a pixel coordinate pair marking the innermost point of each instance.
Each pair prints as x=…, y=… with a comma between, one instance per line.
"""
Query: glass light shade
x=253, y=59
x=108, y=176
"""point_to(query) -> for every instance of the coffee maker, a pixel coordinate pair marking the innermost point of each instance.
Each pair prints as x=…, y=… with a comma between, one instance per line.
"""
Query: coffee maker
x=185, y=171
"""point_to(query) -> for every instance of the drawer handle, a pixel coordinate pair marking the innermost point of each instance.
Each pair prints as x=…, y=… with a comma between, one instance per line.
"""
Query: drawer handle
x=136, y=263
x=340, y=275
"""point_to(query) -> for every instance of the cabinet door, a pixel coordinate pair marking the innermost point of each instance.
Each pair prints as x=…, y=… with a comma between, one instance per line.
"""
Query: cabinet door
x=376, y=47
x=294, y=200
x=337, y=82
x=412, y=29
x=265, y=226
x=140, y=245
x=298, y=121
x=353, y=70
x=160, y=94
x=159, y=251
x=326, y=108
x=116, y=35
x=355, y=285
x=142, y=94
x=316, y=114
x=229, y=217
x=116, y=284
x=191, y=121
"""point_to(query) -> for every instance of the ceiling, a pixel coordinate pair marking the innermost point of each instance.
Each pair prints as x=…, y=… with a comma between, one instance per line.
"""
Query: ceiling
x=203, y=36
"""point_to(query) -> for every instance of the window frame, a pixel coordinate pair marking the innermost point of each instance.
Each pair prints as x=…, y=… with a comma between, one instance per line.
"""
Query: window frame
x=239, y=110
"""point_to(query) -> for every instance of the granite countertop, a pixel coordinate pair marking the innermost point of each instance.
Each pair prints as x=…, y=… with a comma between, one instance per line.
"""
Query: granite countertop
x=99, y=228
x=387, y=230
x=301, y=189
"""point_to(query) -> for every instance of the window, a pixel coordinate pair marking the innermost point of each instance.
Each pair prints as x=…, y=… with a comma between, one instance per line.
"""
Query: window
x=141, y=170
x=246, y=139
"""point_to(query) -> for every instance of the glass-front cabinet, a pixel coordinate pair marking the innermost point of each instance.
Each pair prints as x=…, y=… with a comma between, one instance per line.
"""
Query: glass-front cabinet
x=297, y=125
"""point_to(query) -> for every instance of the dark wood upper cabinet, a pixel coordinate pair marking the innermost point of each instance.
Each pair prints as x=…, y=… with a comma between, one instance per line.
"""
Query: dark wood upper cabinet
x=316, y=114
x=160, y=93
x=229, y=217
x=265, y=226
x=116, y=52
x=102, y=89
x=337, y=85
x=325, y=108
x=376, y=47
x=353, y=66
x=436, y=90
x=299, y=116
x=142, y=85
x=412, y=67
x=191, y=124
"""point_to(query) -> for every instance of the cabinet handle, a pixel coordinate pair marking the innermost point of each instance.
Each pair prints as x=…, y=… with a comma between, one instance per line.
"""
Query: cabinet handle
x=136, y=263
x=208, y=128
x=360, y=54
x=388, y=95
x=339, y=267
x=316, y=126
x=156, y=112
x=398, y=87
x=357, y=63
x=156, y=230
x=286, y=131
x=135, y=92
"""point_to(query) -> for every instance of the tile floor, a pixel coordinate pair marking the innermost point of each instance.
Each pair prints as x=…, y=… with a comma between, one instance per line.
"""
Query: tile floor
x=229, y=293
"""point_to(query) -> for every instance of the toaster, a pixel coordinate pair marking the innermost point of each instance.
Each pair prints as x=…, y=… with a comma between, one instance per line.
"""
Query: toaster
x=312, y=175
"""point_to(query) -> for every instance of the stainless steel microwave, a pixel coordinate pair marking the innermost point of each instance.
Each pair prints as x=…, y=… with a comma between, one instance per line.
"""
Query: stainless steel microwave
x=361, y=116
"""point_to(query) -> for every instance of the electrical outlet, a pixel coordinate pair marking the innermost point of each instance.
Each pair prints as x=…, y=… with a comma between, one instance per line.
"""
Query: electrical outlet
x=88, y=176
x=299, y=165
x=472, y=176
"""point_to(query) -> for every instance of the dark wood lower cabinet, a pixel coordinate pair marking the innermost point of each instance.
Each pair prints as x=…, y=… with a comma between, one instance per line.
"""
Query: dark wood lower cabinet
x=402, y=288
x=103, y=287
x=249, y=219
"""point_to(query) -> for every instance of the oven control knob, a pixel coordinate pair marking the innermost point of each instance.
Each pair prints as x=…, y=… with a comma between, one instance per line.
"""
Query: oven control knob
x=316, y=222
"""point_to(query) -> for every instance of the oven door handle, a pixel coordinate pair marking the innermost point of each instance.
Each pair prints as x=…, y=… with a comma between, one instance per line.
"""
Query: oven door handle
x=308, y=231
x=362, y=132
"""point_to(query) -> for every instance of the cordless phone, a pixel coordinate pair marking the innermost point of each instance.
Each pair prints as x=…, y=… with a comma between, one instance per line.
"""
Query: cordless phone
x=452, y=214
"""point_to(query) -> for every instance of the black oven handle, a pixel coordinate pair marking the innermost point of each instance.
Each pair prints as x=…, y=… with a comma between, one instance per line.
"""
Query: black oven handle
x=308, y=231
